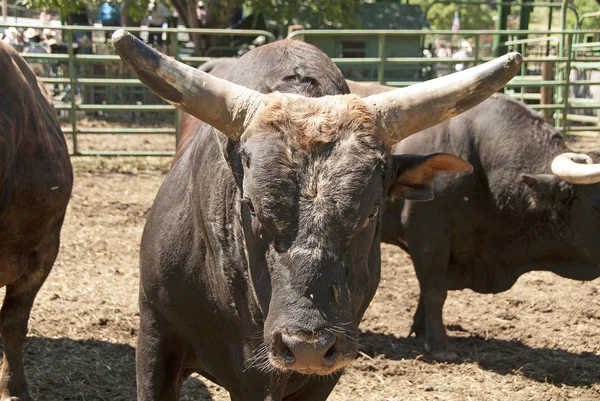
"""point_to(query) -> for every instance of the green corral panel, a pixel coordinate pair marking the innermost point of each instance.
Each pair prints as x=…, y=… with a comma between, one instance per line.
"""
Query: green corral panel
x=366, y=47
x=378, y=16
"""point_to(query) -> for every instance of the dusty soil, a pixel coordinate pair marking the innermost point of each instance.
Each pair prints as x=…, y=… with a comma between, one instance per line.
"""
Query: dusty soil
x=538, y=341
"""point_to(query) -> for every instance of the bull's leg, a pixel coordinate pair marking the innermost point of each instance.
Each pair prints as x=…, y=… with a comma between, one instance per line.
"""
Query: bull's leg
x=431, y=260
x=14, y=316
x=160, y=359
x=418, y=326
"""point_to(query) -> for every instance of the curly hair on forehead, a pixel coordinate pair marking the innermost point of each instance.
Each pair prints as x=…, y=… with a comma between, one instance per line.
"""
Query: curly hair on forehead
x=311, y=122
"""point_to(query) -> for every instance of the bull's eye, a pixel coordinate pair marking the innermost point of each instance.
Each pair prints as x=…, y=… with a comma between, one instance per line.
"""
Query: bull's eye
x=250, y=206
x=374, y=213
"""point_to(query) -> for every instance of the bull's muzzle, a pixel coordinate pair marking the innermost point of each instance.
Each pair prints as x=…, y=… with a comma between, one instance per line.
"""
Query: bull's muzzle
x=315, y=353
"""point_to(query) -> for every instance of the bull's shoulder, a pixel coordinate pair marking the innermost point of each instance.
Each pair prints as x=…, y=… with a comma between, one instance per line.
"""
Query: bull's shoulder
x=29, y=129
x=25, y=107
x=435, y=139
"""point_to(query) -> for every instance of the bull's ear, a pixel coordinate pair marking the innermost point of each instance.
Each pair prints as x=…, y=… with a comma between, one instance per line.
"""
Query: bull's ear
x=595, y=155
x=414, y=174
x=548, y=192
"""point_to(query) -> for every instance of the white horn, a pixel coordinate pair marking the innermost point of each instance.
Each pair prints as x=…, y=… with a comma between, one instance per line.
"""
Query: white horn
x=576, y=168
x=224, y=105
x=404, y=111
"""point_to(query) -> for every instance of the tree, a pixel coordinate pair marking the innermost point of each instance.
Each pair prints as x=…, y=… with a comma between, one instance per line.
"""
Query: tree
x=322, y=14
x=218, y=13
x=135, y=8
x=474, y=16
x=585, y=6
x=317, y=13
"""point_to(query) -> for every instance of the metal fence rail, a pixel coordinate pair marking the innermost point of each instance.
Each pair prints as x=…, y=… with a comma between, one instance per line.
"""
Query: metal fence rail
x=525, y=87
x=569, y=55
x=74, y=81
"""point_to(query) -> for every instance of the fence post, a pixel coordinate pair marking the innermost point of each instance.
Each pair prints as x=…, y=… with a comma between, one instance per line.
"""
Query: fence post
x=567, y=50
x=476, y=50
x=498, y=47
x=546, y=91
x=381, y=55
x=73, y=112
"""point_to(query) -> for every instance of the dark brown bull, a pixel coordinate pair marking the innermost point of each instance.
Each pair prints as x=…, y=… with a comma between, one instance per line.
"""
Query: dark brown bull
x=530, y=204
x=261, y=252
x=35, y=186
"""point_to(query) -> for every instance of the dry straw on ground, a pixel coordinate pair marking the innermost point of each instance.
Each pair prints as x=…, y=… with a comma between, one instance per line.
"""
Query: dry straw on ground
x=538, y=341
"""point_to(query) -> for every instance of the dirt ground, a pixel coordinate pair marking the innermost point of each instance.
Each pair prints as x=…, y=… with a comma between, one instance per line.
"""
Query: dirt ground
x=538, y=341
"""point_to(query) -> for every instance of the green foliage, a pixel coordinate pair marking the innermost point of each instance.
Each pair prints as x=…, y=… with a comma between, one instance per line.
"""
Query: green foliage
x=134, y=8
x=585, y=6
x=317, y=13
x=476, y=16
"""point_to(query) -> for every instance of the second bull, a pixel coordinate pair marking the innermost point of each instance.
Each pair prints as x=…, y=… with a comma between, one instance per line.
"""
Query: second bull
x=530, y=204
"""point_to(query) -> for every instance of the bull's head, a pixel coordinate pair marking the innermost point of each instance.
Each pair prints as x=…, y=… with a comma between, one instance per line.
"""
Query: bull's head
x=568, y=200
x=314, y=172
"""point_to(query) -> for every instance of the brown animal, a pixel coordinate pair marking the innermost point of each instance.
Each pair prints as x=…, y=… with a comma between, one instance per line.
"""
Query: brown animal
x=261, y=251
x=531, y=204
x=35, y=185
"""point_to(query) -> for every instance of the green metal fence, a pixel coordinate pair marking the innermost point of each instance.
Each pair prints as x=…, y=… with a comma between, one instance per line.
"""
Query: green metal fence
x=526, y=87
x=569, y=55
x=71, y=78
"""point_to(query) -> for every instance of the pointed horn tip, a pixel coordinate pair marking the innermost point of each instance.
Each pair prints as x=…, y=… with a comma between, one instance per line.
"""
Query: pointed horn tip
x=514, y=59
x=119, y=36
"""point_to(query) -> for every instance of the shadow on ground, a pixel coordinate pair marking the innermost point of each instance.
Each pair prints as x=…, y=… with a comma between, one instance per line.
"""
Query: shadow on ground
x=90, y=370
x=546, y=365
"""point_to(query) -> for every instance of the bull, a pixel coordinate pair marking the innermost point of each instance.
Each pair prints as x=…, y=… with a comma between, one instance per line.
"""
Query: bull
x=35, y=186
x=530, y=204
x=261, y=251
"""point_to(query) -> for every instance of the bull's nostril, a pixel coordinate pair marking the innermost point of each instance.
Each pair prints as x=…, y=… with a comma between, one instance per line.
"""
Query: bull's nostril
x=282, y=350
x=287, y=354
x=307, y=351
x=330, y=354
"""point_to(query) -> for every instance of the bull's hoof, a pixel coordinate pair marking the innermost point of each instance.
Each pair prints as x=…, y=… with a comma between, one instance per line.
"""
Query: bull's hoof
x=417, y=329
x=438, y=354
x=444, y=356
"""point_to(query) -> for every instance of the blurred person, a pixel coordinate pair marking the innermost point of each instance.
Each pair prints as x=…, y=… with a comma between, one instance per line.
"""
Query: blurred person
x=427, y=71
x=159, y=13
x=201, y=14
x=442, y=51
x=80, y=17
x=462, y=54
x=109, y=15
x=45, y=17
x=34, y=45
x=12, y=36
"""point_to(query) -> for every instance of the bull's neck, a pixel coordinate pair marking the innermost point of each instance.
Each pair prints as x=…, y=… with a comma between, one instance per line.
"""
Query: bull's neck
x=217, y=213
x=535, y=243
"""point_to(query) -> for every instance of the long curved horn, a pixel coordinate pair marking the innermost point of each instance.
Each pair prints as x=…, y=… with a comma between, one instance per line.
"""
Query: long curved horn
x=226, y=106
x=568, y=167
x=402, y=112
